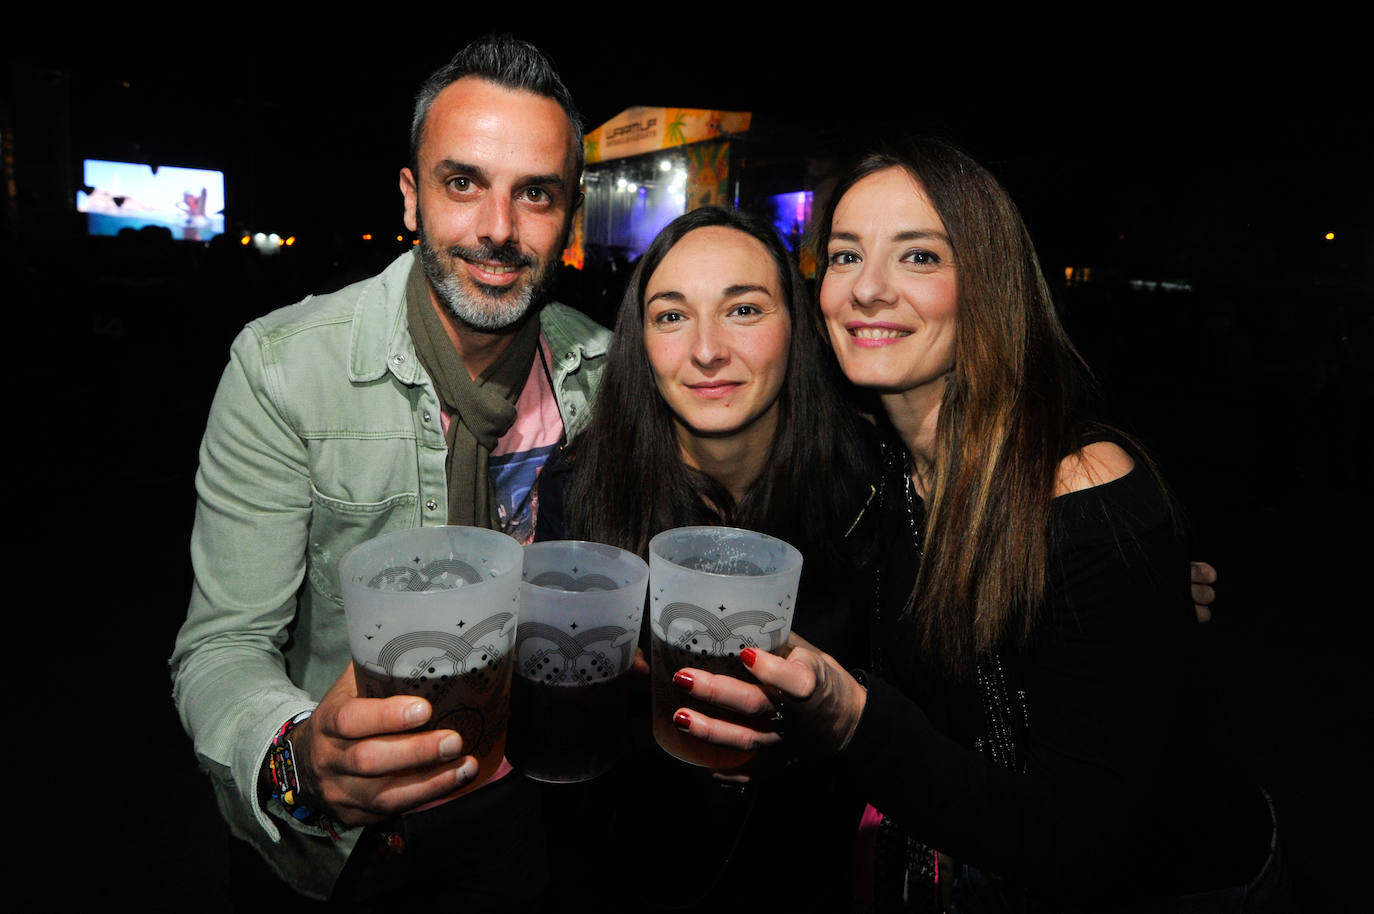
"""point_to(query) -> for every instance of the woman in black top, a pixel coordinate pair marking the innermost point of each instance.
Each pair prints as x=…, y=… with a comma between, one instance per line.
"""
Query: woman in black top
x=719, y=405
x=1032, y=624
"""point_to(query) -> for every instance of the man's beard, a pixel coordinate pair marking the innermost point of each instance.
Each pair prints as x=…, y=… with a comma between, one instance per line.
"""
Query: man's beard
x=477, y=304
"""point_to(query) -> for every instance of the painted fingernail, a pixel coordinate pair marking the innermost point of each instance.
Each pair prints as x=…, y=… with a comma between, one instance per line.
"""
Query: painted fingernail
x=450, y=746
x=749, y=655
x=417, y=713
x=683, y=679
x=467, y=771
x=682, y=720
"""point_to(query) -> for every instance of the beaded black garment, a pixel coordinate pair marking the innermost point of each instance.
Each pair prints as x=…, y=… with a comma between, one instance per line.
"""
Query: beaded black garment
x=907, y=874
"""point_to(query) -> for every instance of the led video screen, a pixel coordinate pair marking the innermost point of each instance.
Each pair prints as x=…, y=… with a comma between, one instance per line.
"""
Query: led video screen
x=118, y=195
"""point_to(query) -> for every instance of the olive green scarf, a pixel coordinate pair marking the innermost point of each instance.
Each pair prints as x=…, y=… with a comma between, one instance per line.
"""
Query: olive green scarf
x=480, y=411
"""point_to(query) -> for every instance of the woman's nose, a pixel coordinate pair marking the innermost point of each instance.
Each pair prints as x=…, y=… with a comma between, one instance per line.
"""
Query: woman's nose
x=873, y=285
x=709, y=346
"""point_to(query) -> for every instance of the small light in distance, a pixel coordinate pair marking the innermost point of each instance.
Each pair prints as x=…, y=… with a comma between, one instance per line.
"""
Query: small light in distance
x=290, y=240
x=244, y=240
x=1330, y=236
x=367, y=237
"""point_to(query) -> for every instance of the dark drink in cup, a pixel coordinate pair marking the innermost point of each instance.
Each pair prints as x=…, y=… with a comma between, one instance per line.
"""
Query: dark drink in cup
x=714, y=591
x=564, y=733
x=668, y=698
x=580, y=610
x=475, y=702
x=432, y=612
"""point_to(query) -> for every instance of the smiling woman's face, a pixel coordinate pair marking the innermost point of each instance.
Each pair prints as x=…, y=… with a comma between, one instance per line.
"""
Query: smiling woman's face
x=890, y=293
x=717, y=331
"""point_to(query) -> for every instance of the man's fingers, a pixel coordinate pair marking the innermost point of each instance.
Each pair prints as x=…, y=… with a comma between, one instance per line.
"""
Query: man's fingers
x=386, y=755
x=360, y=801
x=1203, y=573
x=404, y=794
x=1204, y=595
x=723, y=733
x=359, y=718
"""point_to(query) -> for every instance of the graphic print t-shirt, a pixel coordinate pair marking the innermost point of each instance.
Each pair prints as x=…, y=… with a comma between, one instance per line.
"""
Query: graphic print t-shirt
x=518, y=457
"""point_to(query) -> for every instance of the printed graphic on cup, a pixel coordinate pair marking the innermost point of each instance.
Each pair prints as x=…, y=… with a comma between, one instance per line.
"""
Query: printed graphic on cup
x=433, y=612
x=713, y=591
x=581, y=608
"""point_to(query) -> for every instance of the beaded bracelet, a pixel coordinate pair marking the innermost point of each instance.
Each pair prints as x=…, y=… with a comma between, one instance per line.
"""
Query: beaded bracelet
x=286, y=789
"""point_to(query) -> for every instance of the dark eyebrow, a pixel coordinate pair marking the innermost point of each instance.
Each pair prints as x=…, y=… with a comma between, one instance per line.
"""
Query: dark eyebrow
x=550, y=180
x=921, y=235
x=669, y=294
x=742, y=288
x=454, y=167
x=908, y=235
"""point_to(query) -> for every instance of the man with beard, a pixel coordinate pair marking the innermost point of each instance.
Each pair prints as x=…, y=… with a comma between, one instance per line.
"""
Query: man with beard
x=429, y=394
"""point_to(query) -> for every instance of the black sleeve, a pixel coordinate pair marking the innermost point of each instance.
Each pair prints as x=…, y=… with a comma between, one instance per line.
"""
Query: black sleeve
x=553, y=479
x=1100, y=677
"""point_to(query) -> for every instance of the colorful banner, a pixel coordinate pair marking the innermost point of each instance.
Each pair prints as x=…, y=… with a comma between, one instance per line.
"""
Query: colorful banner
x=640, y=129
x=708, y=175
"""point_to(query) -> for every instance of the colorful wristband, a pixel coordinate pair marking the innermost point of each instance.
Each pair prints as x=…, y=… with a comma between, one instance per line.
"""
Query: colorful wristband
x=286, y=788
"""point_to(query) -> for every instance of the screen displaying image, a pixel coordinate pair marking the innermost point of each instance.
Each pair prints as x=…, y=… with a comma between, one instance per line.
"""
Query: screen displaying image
x=117, y=195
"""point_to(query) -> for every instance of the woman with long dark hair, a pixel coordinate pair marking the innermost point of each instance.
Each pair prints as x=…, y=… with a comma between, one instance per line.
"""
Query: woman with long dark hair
x=1027, y=708
x=720, y=404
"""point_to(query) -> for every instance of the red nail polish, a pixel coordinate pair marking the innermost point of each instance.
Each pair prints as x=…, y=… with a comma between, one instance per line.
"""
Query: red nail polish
x=749, y=655
x=683, y=679
x=682, y=720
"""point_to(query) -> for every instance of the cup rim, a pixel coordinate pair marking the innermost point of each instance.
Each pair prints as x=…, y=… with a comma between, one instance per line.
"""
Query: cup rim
x=517, y=556
x=791, y=563
x=640, y=568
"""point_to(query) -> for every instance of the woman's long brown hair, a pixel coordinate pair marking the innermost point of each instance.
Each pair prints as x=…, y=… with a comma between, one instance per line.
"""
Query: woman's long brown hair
x=1008, y=416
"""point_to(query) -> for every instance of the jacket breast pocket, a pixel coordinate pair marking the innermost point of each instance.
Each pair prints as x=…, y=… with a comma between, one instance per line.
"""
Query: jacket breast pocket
x=336, y=526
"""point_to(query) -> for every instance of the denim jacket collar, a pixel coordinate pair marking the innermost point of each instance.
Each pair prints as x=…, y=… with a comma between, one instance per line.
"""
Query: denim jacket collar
x=380, y=339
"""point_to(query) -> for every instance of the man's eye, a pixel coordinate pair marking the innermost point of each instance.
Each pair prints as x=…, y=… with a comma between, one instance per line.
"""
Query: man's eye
x=537, y=195
x=460, y=183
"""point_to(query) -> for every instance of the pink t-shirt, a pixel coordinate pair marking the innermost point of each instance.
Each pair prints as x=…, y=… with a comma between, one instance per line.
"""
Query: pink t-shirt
x=518, y=457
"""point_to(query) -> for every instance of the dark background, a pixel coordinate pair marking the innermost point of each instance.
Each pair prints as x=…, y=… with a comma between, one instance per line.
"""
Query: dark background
x=1146, y=151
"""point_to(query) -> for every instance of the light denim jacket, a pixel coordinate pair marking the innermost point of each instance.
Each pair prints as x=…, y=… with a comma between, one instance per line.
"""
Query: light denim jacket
x=325, y=432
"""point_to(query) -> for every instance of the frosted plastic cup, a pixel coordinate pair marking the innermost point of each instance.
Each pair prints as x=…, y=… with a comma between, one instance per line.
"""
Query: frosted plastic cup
x=581, y=605
x=433, y=612
x=713, y=591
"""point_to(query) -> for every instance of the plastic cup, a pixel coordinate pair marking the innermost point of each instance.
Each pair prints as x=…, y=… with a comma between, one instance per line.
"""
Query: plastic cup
x=713, y=591
x=433, y=612
x=581, y=605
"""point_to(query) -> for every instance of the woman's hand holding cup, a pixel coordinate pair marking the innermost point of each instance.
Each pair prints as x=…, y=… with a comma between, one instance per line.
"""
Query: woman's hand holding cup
x=803, y=693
